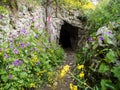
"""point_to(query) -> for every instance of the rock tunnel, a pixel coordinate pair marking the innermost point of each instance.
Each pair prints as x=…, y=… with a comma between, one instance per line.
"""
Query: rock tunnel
x=68, y=36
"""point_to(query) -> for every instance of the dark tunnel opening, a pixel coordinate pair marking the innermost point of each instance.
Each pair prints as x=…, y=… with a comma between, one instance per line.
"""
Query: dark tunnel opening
x=68, y=36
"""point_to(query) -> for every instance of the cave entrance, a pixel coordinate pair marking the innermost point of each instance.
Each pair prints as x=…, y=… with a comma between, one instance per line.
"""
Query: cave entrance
x=68, y=36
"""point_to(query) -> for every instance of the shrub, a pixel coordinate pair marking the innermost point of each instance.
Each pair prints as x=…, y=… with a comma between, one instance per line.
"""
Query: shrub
x=106, y=11
x=101, y=53
x=27, y=61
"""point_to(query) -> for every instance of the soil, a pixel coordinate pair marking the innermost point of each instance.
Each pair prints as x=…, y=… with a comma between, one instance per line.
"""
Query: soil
x=70, y=59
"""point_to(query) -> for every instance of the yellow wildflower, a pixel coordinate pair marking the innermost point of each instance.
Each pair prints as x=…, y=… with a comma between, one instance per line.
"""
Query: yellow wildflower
x=85, y=84
x=80, y=66
x=34, y=59
x=81, y=74
x=75, y=87
x=66, y=68
x=71, y=86
x=32, y=85
x=89, y=5
x=64, y=71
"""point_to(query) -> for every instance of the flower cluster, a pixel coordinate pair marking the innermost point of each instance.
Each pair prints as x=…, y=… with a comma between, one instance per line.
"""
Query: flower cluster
x=73, y=87
x=35, y=61
x=81, y=67
x=64, y=71
x=32, y=85
x=73, y=3
x=17, y=62
x=89, y=5
x=26, y=60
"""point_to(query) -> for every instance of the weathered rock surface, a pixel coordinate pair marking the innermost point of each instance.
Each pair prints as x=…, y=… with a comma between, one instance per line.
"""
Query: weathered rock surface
x=35, y=18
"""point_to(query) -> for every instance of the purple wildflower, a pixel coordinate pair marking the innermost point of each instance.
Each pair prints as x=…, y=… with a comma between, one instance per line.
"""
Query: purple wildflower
x=32, y=19
x=22, y=45
x=109, y=32
x=39, y=16
x=18, y=32
x=36, y=36
x=101, y=38
x=15, y=21
x=23, y=31
x=32, y=49
x=14, y=36
x=10, y=77
x=38, y=63
x=16, y=51
x=90, y=39
x=0, y=49
x=11, y=40
x=6, y=55
x=11, y=46
x=17, y=62
x=27, y=44
x=1, y=16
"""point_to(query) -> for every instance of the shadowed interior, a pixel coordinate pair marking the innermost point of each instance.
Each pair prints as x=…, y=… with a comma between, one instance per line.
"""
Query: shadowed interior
x=68, y=35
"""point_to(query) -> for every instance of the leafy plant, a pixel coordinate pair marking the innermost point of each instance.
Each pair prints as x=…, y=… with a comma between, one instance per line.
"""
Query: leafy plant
x=26, y=60
x=3, y=10
x=106, y=11
x=100, y=55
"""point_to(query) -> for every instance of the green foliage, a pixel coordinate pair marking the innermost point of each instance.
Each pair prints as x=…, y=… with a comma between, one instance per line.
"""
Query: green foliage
x=106, y=11
x=102, y=64
x=3, y=10
x=11, y=3
x=110, y=56
x=107, y=84
x=116, y=71
x=32, y=2
x=103, y=68
x=102, y=71
x=26, y=62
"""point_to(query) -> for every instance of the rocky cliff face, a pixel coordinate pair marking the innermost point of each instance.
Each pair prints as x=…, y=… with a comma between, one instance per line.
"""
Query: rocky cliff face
x=11, y=24
x=28, y=18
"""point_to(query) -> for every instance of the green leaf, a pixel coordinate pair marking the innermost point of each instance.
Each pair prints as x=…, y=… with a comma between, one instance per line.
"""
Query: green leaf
x=4, y=78
x=118, y=37
x=111, y=26
x=20, y=81
x=95, y=88
x=23, y=74
x=118, y=52
x=2, y=71
x=107, y=85
x=116, y=71
x=16, y=69
x=106, y=38
x=103, y=68
x=95, y=46
x=7, y=86
x=110, y=56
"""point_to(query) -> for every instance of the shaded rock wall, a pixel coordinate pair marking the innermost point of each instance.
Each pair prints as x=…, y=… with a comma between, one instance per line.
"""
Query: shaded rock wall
x=11, y=24
x=28, y=18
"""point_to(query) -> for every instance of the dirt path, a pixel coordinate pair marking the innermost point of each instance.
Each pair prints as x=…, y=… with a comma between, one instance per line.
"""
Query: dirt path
x=70, y=59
